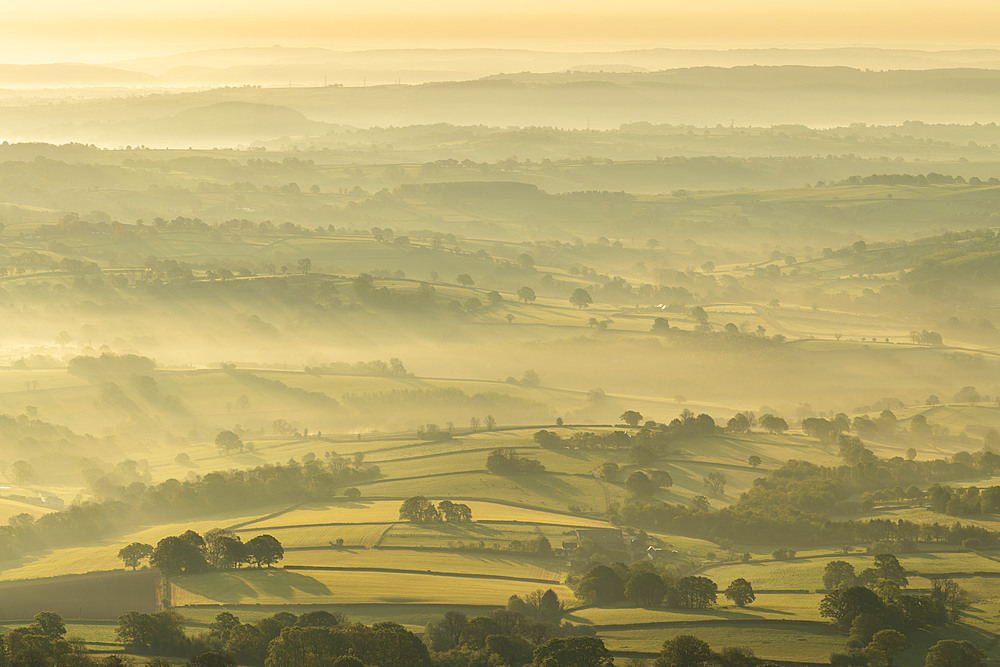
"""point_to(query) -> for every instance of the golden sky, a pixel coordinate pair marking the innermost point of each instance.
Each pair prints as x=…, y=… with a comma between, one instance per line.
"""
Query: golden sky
x=52, y=30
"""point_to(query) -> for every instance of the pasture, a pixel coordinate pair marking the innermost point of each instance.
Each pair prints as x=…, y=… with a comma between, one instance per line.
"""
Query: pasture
x=273, y=587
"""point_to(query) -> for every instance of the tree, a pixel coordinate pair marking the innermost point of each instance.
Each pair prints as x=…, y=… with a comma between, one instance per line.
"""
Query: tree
x=548, y=439
x=321, y=619
x=696, y=592
x=526, y=294
x=465, y=280
x=530, y=378
x=754, y=461
x=639, y=485
x=738, y=424
x=23, y=472
x=740, y=656
x=307, y=646
x=684, y=651
x=265, y=550
x=661, y=326
x=489, y=422
x=305, y=265
x=645, y=589
x=227, y=440
x=600, y=585
x=662, y=479
x=838, y=574
x=212, y=659
x=580, y=298
x=135, y=553
x=950, y=596
x=773, y=424
x=575, y=651
x=511, y=649
x=226, y=551
x=641, y=455
x=418, y=509
x=885, y=645
x=967, y=394
x=740, y=592
x=843, y=605
x=161, y=633
x=545, y=606
x=955, y=653
x=631, y=417
x=448, y=632
x=887, y=567
x=48, y=623
x=386, y=644
x=176, y=555
x=454, y=512
x=247, y=644
x=715, y=481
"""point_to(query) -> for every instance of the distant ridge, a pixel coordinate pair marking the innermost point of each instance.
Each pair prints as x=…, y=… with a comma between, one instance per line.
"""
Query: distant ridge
x=60, y=75
x=312, y=67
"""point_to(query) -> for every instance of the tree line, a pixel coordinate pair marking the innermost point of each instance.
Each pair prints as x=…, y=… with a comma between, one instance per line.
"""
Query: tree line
x=175, y=500
x=190, y=553
x=418, y=509
x=643, y=585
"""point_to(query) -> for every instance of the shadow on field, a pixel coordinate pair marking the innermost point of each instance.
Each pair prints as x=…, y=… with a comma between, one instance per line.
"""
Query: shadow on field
x=222, y=587
x=233, y=588
x=550, y=486
x=282, y=583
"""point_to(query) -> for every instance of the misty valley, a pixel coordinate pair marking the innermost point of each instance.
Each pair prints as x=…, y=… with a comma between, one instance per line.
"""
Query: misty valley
x=679, y=366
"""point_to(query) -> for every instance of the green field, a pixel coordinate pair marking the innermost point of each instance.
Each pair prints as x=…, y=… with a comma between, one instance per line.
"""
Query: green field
x=276, y=587
x=779, y=641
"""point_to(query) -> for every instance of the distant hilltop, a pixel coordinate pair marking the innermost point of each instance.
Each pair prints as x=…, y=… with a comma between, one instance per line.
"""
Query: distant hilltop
x=286, y=66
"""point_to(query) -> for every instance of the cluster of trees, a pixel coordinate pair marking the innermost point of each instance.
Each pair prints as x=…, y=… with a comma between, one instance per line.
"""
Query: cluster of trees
x=689, y=651
x=730, y=333
x=793, y=503
x=652, y=437
x=539, y=546
x=912, y=179
x=884, y=426
x=110, y=364
x=641, y=584
x=639, y=484
x=742, y=422
x=839, y=573
x=507, y=462
x=314, y=638
x=873, y=608
x=877, y=615
x=969, y=501
x=526, y=632
x=315, y=399
x=190, y=552
x=418, y=509
x=376, y=368
x=174, y=500
x=43, y=643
